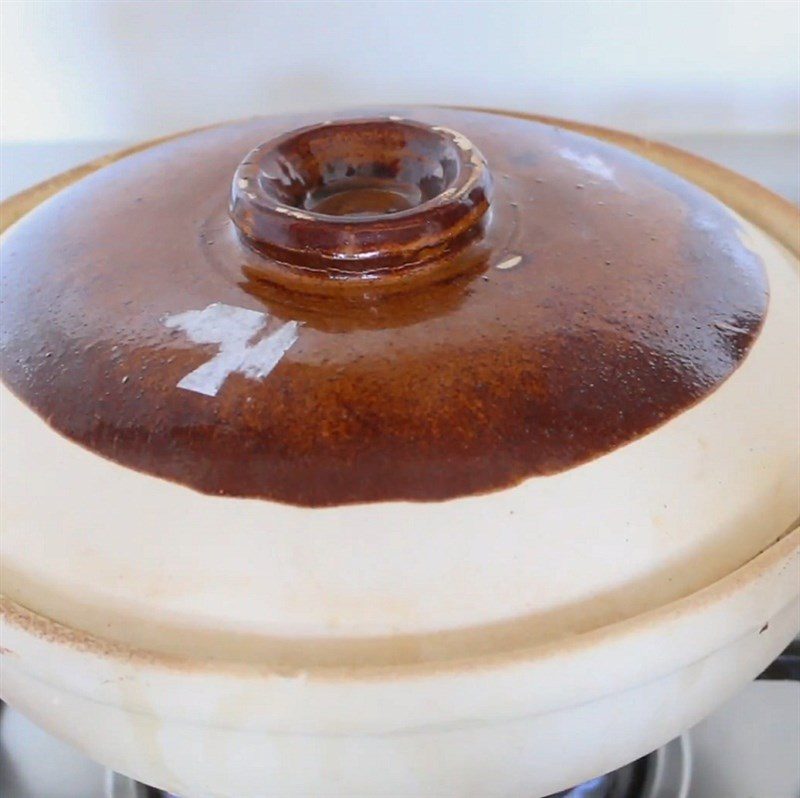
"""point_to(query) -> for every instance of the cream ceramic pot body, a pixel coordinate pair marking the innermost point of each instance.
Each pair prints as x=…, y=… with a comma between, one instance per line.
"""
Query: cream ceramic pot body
x=451, y=652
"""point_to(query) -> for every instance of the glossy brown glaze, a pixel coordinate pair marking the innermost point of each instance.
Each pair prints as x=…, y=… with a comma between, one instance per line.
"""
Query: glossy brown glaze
x=626, y=297
x=336, y=204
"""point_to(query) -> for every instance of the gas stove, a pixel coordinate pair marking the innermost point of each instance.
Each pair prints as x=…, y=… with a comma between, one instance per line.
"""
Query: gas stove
x=747, y=749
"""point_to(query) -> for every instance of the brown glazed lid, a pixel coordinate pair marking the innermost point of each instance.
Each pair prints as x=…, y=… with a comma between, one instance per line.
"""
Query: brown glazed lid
x=419, y=304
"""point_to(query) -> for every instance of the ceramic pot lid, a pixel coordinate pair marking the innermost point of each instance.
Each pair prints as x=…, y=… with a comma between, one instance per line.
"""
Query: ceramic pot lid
x=420, y=306
x=580, y=368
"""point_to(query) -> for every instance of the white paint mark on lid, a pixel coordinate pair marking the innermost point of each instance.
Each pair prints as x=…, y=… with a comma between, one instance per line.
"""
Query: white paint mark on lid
x=509, y=263
x=232, y=328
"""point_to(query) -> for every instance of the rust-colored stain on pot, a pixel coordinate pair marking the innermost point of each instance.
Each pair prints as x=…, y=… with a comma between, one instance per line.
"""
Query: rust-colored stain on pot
x=603, y=296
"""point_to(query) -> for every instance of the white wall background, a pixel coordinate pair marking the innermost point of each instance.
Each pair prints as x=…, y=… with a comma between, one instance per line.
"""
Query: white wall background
x=118, y=70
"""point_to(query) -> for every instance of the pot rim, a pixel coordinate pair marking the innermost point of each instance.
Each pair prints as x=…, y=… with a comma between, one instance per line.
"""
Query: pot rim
x=524, y=682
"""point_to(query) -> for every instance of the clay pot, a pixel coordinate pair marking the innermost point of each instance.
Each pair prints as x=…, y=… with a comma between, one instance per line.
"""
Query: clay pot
x=431, y=452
